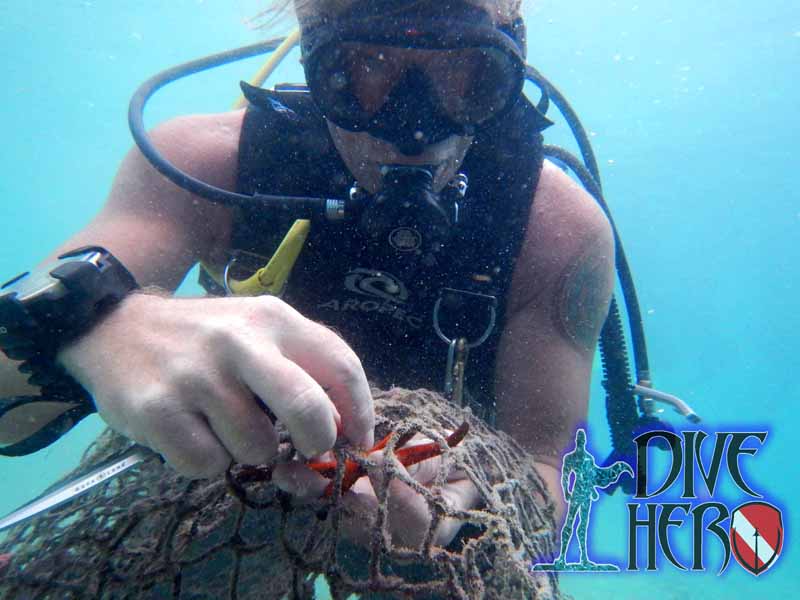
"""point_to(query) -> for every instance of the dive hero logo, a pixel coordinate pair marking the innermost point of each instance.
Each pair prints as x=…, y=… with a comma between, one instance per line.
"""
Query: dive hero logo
x=753, y=532
x=380, y=292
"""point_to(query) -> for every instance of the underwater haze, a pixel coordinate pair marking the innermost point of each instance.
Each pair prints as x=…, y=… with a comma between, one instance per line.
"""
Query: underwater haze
x=692, y=108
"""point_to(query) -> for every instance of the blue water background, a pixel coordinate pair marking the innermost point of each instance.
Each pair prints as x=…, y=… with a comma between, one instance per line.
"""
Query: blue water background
x=692, y=108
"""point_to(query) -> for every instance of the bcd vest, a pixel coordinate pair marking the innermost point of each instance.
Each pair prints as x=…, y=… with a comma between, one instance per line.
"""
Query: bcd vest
x=379, y=299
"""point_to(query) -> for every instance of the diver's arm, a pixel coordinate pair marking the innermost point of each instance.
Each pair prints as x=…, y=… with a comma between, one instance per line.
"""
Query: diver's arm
x=559, y=300
x=156, y=229
x=187, y=376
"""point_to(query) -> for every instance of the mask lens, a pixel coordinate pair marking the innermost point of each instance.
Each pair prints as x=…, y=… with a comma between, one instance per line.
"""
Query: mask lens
x=353, y=80
x=373, y=73
x=473, y=84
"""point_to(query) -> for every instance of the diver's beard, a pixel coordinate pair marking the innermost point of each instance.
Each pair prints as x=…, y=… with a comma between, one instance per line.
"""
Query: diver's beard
x=365, y=156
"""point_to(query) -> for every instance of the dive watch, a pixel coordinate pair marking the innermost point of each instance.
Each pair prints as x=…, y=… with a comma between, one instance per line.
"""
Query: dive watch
x=42, y=310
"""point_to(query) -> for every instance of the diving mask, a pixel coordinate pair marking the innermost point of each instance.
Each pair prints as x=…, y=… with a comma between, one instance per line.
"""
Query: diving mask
x=418, y=79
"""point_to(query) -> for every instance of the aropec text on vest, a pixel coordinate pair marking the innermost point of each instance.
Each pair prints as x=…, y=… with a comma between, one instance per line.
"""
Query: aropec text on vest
x=379, y=292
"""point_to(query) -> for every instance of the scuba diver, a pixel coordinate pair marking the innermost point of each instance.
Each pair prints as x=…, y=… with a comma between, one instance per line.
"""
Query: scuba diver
x=448, y=254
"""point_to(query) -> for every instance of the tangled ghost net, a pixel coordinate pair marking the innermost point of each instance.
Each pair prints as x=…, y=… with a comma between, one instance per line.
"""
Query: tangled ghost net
x=150, y=533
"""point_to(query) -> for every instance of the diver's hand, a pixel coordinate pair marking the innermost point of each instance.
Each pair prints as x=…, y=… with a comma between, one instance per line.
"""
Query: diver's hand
x=408, y=512
x=181, y=376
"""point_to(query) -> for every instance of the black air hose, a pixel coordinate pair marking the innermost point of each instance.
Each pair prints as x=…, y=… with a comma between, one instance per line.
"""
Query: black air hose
x=621, y=409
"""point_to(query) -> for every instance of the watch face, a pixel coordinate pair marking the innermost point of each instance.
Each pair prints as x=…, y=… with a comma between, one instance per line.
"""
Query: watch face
x=55, y=303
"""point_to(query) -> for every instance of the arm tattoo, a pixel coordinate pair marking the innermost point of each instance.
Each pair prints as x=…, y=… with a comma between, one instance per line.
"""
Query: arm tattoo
x=582, y=296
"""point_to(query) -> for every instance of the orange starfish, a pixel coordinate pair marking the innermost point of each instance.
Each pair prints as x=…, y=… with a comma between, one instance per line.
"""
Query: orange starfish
x=407, y=457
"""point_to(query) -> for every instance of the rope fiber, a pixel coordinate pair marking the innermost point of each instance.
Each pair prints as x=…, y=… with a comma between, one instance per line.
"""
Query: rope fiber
x=150, y=533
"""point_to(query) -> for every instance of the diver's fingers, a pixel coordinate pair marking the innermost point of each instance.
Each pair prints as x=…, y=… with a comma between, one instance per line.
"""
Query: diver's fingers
x=409, y=511
x=359, y=512
x=299, y=480
x=241, y=424
x=460, y=495
x=185, y=441
x=427, y=470
x=296, y=399
x=334, y=365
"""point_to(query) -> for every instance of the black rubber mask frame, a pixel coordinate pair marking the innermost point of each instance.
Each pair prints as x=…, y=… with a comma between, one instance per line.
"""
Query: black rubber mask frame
x=412, y=116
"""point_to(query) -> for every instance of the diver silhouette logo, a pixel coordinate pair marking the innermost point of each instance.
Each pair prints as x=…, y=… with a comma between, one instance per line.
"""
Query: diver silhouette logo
x=588, y=477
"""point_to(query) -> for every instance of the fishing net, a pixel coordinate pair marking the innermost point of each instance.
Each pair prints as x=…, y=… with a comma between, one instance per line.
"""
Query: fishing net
x=150, y=533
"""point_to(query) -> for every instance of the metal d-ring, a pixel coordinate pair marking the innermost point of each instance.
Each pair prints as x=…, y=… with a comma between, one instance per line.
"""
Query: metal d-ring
x=482, y=338
x=235, y=257
x=225, y=274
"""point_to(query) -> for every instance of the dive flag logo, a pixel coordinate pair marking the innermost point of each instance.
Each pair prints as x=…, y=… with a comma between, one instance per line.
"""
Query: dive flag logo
x=756, y=536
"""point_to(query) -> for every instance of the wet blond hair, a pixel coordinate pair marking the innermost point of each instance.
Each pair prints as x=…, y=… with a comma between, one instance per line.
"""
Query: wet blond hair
x=503, y=11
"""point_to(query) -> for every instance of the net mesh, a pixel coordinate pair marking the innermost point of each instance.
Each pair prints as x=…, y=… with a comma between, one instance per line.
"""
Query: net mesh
x=150, y=533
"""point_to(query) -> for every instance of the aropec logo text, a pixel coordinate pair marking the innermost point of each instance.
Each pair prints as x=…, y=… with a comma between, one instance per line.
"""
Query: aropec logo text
x=380, y=292
x=754, y=532
x=377, y=284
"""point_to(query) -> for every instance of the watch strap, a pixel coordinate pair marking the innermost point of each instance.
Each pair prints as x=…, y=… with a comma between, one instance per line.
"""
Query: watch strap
x=33, y=330
x=55, y=428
